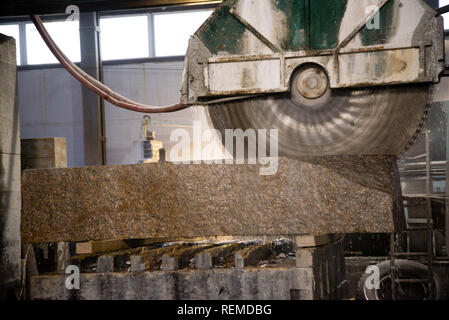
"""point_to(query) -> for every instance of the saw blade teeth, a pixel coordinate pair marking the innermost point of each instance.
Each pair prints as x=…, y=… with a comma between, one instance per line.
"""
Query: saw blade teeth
x=373, y=121
x=423, y=120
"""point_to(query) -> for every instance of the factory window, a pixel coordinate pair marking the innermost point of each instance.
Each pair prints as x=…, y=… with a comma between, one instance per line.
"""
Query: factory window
x=173, y=30
x=445, y=16
x=12, y=30
x=64, y=33
x=124, y=37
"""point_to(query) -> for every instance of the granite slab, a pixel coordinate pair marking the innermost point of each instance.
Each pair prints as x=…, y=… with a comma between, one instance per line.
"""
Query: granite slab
x=166, y=200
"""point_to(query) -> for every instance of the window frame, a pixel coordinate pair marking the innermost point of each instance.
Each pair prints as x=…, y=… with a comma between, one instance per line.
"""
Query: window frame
x=168, y=13
x=149, y=12
x=127, y=15
x=151, y=30
x=25, y=45
x=21, y=27
x=446, y=31
x=22, y=22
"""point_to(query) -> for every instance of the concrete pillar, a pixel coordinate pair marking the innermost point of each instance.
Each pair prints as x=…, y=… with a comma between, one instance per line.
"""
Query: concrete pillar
x=136, y=264
x=320, y=268
x=93, y=105
x=10, y=199
x=105, y=264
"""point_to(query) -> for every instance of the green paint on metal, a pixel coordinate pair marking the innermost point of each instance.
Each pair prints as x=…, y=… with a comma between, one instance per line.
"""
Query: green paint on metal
x=380, y=36
x=310, y=24
x=325, y=20
x=222, y=32
x=294, y=10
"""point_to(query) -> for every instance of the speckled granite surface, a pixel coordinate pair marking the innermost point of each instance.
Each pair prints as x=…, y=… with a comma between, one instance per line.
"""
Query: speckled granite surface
x=327, y=195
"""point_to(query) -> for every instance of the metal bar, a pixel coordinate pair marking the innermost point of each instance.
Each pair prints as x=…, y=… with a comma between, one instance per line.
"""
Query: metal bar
x=411, y=254
x=282, y=73
x=429, y=189
x=151, y=43
x=411, y=175
x=303, y=54
x=23, y=44
x=244, y=58
x=442, y=163
x=102, y=112
x=215, y=101
x=417, y=221
x=411, y=280
x=419, y=195
x=360, y=27
x=254, y=31
x=443, y=10
x=109, y=63
x=447, y=223
x=93, y=115
x=434, y=172
x=350, y=37
x=445, y=108
x=392, y=265
x=173, y=8
x=416, y=157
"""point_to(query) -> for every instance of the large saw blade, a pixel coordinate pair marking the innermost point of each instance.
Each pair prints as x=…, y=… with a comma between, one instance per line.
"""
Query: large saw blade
x=382, y=120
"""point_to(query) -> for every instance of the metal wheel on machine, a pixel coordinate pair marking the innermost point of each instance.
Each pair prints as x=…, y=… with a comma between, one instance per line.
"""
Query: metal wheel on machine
x=315, y=120
x=406, y=269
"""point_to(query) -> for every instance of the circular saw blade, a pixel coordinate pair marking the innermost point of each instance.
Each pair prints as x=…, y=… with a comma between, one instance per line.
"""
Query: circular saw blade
x=381, y=120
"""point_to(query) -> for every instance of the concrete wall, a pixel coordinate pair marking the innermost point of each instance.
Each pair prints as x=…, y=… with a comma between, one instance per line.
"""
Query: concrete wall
x=50, y=103
x=10, y=201
x=317, y=274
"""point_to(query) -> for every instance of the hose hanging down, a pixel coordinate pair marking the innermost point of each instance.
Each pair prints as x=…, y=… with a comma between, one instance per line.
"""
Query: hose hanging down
x=95, y=85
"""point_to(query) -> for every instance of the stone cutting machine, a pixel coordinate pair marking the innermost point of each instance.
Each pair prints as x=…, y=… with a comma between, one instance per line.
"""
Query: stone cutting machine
x=340, y=77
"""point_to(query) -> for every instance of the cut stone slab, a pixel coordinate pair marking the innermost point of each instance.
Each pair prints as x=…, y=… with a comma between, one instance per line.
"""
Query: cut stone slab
x=44, y=153
x=305, y=241
x=166, y=200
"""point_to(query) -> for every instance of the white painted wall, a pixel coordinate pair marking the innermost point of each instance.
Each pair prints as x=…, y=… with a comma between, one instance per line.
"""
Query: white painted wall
x=50, y=105
x=149, y=83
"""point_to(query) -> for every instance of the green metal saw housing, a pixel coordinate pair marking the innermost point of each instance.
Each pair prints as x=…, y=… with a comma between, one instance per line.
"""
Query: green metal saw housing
x=252, y=47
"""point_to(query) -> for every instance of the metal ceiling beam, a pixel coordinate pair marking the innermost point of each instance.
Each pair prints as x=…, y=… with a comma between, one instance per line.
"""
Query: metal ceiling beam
x=28, y=7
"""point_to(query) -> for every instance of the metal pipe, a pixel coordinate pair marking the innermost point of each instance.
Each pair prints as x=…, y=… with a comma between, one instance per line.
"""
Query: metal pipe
x=443, y=10
x=94, y=85
x=429, y=190
x=422, y=164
